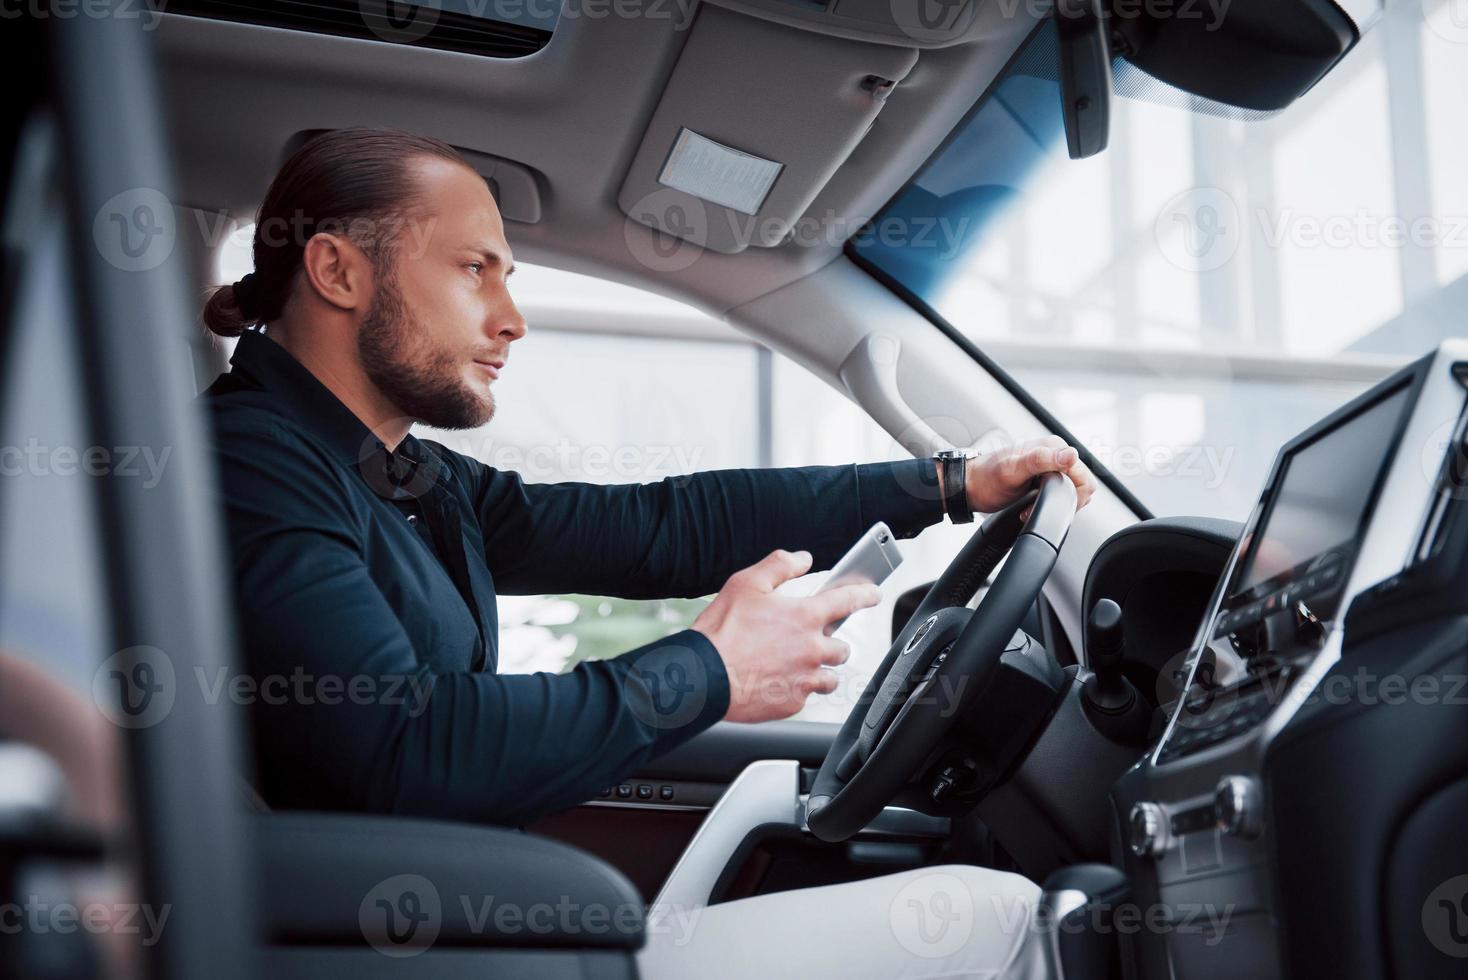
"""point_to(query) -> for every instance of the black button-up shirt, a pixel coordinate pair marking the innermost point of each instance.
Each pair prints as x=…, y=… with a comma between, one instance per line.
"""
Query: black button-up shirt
x=365, y=586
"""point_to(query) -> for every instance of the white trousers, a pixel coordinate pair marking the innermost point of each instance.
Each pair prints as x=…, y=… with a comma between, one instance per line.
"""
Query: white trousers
x=930, y=923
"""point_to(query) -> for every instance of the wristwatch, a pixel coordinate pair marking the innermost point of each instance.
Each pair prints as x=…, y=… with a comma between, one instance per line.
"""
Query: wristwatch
x=953, y=464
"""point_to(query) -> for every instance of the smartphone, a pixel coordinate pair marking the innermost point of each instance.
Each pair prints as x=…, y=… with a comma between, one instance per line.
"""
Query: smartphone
x=871, y=559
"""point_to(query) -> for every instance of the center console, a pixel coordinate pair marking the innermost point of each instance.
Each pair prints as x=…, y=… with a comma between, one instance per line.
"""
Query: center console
x=1355, y=500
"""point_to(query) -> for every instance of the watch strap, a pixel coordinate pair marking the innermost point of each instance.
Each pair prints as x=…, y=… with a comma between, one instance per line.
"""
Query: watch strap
x=955, y=487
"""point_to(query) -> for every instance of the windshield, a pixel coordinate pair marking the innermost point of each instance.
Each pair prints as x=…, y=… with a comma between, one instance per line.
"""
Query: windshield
x=1207, y=287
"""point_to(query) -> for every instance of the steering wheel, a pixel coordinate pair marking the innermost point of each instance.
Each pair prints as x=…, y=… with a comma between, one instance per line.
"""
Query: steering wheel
x=941, y=662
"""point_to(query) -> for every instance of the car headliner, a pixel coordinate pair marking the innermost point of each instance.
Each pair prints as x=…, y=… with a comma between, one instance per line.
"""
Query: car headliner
x=575, y=112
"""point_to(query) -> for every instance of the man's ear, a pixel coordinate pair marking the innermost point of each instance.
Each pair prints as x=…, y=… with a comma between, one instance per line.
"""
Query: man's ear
x=338, y=271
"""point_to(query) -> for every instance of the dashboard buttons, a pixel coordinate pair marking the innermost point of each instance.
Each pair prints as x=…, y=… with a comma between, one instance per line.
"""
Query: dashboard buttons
x=1192, y=821
x=1147, y=830
x=1244, y=617
x=624, y=791
x=644, y=792
x=1236, y=807
x=1222, y=713
x=665, y=793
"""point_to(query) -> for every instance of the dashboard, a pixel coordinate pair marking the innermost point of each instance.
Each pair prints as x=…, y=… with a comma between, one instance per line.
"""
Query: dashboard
x=1269, y=820
x=1358, y=515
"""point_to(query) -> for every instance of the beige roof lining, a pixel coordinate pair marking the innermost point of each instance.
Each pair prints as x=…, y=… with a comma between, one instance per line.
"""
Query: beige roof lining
x=575, y=112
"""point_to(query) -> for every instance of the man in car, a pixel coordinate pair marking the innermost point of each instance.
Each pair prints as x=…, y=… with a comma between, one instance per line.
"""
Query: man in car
x=367, y=561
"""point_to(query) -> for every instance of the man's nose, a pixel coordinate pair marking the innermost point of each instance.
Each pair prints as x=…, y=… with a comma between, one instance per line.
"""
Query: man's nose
x=509, y=325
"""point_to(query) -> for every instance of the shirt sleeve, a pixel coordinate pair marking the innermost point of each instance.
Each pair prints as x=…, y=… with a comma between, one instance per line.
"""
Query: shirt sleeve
x=347, y=712
x=683, y=536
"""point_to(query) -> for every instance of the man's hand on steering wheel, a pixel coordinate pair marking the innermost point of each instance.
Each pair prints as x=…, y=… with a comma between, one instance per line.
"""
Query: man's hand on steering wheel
x=902, y=720
x=996, y=480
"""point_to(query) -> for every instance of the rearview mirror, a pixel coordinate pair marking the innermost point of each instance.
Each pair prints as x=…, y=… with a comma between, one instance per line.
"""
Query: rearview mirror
x=1252, y=54
x=1085, y=75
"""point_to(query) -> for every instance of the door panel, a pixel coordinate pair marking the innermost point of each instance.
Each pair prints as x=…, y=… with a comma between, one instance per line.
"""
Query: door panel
x=643, y=833
x=643, y=826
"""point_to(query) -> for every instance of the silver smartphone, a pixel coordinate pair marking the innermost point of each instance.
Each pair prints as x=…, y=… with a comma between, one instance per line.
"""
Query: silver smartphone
x=871, y=559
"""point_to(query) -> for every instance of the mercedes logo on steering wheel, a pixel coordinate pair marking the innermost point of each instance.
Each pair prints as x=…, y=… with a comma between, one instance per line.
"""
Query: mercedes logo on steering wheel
x=917, y=637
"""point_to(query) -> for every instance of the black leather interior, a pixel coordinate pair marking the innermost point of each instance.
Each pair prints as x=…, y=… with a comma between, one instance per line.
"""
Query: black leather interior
x=326, y=876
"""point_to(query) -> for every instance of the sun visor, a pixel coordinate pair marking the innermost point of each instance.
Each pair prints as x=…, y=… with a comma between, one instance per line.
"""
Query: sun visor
x=755, y=119
x=516, y=187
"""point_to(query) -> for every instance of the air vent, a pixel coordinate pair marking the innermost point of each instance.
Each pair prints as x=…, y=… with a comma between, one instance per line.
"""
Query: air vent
x=388, y=21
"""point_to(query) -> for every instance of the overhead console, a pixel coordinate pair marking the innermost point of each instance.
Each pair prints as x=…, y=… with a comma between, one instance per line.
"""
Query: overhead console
x=734, y=157
x=1360, y=499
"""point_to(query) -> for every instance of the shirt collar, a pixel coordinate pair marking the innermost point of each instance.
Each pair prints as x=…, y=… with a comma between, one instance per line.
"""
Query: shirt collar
x=302, y=397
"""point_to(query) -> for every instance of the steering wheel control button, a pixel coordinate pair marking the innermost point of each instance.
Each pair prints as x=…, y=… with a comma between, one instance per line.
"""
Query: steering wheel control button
x=624, y=791
x=1147, y=830
x=932, y=670
x=1237, y=810
x=665, y=793
x=644, y=792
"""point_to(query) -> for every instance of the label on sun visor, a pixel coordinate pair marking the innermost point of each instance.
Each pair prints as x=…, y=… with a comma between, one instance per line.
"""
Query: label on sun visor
x=719, y=174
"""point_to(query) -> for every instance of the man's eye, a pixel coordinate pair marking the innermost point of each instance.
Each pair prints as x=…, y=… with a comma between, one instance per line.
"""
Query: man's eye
x=476, y=267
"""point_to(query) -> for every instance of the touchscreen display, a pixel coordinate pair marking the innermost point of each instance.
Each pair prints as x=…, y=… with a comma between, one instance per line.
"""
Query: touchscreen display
x=1323, y=493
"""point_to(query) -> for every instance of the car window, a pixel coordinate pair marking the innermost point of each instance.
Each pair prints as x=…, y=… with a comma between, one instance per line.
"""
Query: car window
x=1209, y=285
x=614, y=384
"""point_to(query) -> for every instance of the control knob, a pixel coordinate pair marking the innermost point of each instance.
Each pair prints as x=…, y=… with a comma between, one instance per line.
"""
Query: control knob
x=1148, y=830
x=1236, y=806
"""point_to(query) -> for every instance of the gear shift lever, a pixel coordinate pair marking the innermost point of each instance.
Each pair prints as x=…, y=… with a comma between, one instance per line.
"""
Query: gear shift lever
x=1108, y=690
x=1076, y=909
x=1110, y=701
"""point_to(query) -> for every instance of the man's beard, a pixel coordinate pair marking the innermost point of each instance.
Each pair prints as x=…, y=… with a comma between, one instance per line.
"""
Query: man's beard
x=425, y=384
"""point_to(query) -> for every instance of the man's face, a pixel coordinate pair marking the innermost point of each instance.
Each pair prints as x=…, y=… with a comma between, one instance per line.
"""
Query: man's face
x=442, y=321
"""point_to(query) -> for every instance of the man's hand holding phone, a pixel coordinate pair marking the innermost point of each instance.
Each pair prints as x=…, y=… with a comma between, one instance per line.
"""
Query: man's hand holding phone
x=775, y=648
